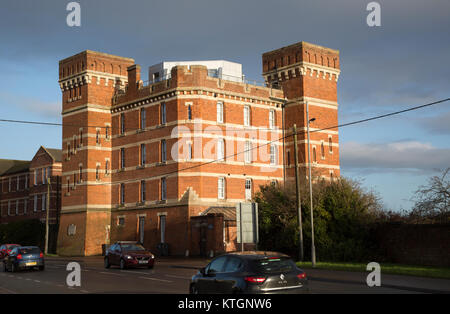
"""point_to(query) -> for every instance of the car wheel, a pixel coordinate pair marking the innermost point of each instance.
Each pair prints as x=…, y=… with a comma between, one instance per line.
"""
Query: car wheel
x=150, y=266
x=107, y=264
x=122, y=264
x=41, y=268
x=4, y=267
x=13, y=268
x=193, y=290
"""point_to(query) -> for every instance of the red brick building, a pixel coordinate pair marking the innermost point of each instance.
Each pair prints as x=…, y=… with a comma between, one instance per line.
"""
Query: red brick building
x=24, y=192
x=149, y=161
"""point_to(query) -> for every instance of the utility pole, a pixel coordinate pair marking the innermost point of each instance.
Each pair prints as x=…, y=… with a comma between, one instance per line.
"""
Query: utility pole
x=313, y=248
x=47, y=216
x=299, y=202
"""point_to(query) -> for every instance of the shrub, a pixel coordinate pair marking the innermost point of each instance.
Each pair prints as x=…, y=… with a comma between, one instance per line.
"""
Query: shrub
x=344, y=214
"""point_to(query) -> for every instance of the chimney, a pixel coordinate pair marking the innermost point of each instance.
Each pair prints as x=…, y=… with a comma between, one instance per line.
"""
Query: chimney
x=134, y=76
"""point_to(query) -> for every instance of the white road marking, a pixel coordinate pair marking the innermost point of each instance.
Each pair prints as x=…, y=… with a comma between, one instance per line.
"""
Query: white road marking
x=156, y=279
x=134, y=272
x=107, y=273
x=181, y=277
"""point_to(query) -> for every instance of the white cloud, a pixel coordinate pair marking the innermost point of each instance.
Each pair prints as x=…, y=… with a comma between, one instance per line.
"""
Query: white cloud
x=404, y=156
x=439, y=124
x=33, y=105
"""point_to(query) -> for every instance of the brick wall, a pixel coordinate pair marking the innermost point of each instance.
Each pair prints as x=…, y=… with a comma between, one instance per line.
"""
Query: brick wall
x=427, y=245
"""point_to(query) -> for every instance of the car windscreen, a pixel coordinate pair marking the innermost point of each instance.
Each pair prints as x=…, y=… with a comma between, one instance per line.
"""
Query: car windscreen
x=273, y=265
x=132, y=247
x=32, y=250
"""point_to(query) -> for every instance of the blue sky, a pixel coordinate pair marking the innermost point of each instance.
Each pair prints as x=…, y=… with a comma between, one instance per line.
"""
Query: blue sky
x=401, y=64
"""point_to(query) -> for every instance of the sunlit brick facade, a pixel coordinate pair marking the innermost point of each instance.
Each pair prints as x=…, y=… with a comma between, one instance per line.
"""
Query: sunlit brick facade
x=24, y=189
x=141, y=160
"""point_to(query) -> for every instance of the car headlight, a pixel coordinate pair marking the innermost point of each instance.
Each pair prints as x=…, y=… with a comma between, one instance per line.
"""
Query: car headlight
x=152, y=256
x=128, y=257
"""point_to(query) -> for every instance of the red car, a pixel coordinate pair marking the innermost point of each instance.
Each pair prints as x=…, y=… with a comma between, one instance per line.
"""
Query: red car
x=128, y=254
x=5, y=249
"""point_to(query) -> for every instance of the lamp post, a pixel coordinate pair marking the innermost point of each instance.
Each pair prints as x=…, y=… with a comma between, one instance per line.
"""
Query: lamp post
x=47, y=214
x=298, y=199
x=313, y=248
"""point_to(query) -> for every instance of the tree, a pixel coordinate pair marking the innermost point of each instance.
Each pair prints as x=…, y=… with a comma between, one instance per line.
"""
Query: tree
x=343, y=217
x=432, y=201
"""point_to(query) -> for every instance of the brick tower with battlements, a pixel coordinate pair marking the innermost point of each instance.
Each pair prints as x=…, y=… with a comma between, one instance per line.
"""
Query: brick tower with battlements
x=88, y=82
x=308, y=74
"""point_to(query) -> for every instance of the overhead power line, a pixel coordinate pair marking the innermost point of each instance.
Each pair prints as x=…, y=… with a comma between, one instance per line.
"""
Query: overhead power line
x=281, y=138
x=250, y=129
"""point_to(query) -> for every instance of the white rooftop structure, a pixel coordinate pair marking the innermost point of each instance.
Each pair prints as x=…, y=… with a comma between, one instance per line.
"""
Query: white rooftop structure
x=226, y=70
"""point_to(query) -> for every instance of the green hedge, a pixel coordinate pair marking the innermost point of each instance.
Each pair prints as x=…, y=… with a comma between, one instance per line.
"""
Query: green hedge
x=344, y=214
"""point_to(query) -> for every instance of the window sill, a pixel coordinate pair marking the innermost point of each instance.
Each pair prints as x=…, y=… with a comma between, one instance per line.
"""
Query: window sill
x=161, y=163
x=140, y=167
x=161, y=202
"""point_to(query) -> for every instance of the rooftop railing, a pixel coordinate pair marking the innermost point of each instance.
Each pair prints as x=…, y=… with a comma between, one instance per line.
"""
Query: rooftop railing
x=226, y=77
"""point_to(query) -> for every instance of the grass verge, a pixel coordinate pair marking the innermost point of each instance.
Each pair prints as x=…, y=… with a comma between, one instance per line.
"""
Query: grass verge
x=397, y=269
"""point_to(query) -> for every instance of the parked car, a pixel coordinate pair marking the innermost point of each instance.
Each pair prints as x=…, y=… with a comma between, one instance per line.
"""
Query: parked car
x=128, y=254
x=24, y=257
x=250, y=272
x=5, y=249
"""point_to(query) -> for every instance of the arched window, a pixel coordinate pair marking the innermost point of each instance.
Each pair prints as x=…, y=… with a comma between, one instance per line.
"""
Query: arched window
x=248, y=189
x=221, y=188
x=220, y=149
x=122, y=193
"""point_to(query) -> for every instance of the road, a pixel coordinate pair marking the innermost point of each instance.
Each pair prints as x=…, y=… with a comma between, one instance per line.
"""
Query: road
x=169, y=276
x=96, y=279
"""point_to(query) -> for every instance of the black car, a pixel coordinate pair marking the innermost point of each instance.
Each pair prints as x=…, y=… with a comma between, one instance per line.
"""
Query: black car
x=250, y=272
x=24, y=257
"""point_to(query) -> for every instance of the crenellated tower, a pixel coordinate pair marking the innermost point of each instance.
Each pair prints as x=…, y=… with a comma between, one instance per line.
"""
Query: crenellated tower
x=308, y=74
x=88, y=82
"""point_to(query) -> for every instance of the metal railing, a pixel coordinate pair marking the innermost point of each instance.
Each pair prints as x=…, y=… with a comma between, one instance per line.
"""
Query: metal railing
x=157, y=80
x=226, y=77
